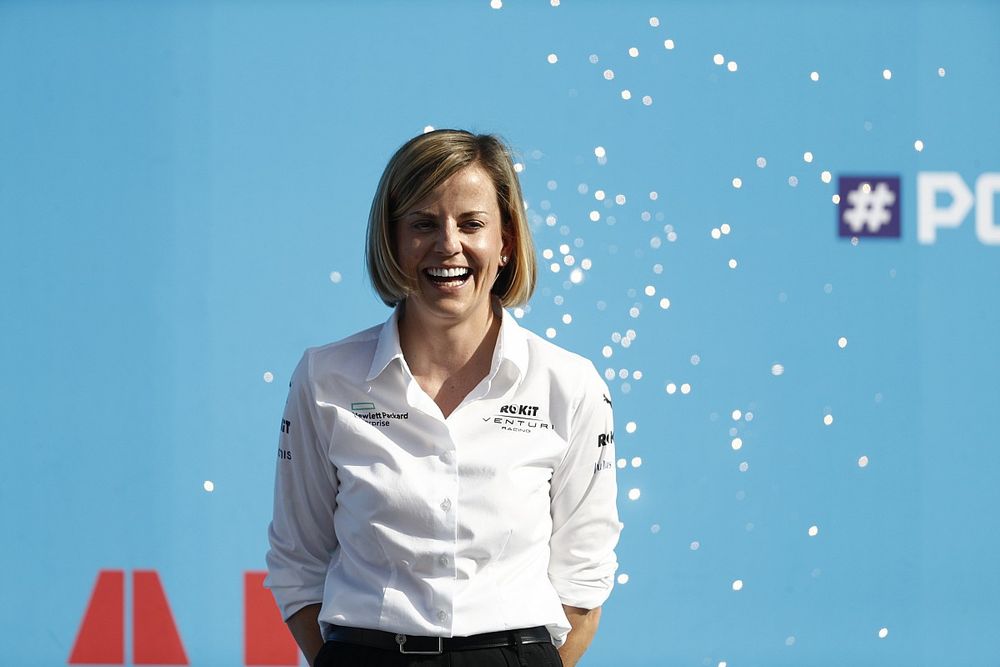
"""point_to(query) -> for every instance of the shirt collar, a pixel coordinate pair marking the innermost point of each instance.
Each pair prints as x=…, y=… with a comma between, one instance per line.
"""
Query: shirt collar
x=512, y=345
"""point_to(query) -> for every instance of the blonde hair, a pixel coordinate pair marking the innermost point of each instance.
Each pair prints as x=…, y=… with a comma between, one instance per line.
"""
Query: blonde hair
x=417, y=169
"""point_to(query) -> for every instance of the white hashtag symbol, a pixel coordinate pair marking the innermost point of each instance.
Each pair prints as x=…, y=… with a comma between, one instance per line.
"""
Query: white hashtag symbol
x=869, y=208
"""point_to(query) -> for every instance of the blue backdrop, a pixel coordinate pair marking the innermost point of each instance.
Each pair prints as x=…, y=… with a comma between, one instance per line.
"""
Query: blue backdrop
x=806, y=421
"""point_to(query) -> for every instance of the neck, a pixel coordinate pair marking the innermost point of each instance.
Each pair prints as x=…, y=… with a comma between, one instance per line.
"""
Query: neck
x=440, y=347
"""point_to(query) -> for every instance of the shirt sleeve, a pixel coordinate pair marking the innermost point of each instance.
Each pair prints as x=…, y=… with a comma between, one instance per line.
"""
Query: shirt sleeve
x=585, y=523
x=301, y=533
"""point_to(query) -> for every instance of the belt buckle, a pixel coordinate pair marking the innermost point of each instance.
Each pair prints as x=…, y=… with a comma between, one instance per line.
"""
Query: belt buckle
x=401, y=640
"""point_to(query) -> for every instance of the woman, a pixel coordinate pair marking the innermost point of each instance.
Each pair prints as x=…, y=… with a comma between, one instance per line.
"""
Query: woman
x=445, y=493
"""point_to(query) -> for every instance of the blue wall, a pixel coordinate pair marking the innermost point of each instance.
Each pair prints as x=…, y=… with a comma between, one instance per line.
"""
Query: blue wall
x=179, y=181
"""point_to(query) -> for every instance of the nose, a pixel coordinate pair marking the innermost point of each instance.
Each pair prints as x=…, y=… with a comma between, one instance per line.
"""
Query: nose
x=448, y=241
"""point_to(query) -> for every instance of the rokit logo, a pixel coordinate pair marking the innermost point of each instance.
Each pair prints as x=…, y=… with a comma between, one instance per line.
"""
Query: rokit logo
x=519, y=418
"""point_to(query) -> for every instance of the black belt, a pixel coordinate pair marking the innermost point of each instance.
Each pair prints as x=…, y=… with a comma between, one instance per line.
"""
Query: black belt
x=391, y=641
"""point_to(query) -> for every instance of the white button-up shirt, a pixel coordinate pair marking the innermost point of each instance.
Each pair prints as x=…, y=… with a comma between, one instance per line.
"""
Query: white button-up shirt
x=399, y=519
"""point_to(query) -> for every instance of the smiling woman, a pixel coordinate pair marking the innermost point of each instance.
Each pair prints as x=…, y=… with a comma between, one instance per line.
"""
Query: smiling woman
x=443, y=494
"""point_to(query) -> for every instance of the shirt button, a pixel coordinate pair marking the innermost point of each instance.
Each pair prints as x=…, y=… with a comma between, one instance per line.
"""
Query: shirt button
x=446, y=504
x=442, y=615
x=444, y=560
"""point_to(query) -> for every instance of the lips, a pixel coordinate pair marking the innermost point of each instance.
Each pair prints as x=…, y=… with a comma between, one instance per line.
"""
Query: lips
x=448, y=275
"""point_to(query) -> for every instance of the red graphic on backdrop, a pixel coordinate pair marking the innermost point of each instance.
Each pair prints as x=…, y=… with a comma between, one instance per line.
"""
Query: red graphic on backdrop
x=101, y=639
x=154, y=636
x=155, y=640
x=267, y=640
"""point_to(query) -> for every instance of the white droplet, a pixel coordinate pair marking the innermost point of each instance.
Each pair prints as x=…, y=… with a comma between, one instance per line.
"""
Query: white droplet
x=647, y=100
x=621, y=463
x=732, y=263
x=732, y=66
x=777, y=369
x=842, y=342
x=793, y=181
x=664, y=303
x=555, y=267
x=620, y=199
x=552, y=58
x=863, y=462
x=716, y=233
x=496, y=4
x=737, y=415
x=636, y=461
x=622, y=578
x=827, y=419
x=807, y=156
x=595, y=216
x=634, y=52
x=737, y=183
x=918, y=145
x=668, y=44
x=633, y=312
x=761, y=161
x=744, y=466
x=626, y=94
x=694, y=546
x=814, y=76
x=554, y=3
x=685, y=388
x=609, y=74
x=737, y=444
x=335, y=277
x=722, y=663
x=636, y=375
x=835, y=199
x=725, y=228
x=883, y=633
x=599, y=195
x=268, y=376
x=633, y=494
x=813, y=531
x=738, y=585
x=550, y=332
x=671, y=388
x=547, y=253
x=653, y=196
x=695, y=359
x=209, y=485
x=718, y=59
x=650, y=290
x=654, y=21
x=790, y=640
x=941, y=71
x=518, y=167
x=886, y=74
x=629, y=427
x=748, y=416
x=655, y=528
x=825, y=176
x=567, y=318
x=585, y=264
x=657, y=268
x=428, y=128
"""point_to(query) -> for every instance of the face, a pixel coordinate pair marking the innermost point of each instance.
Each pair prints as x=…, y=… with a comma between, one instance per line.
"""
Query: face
x=452, y=243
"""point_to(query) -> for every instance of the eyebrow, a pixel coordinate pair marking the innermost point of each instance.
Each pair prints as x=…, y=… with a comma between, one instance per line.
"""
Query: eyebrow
x=431, y=215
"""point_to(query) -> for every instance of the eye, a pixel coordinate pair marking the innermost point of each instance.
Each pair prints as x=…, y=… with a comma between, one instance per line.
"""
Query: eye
x=422, y=224
x=473, y=225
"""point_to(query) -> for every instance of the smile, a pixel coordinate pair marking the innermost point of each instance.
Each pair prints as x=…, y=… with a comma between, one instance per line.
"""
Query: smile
x=448, y=276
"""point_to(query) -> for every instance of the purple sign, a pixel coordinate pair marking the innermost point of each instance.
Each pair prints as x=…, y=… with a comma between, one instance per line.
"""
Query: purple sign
x=869, y=206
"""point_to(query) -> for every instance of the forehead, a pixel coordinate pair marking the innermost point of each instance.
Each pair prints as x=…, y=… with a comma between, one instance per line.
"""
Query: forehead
x=468, y=187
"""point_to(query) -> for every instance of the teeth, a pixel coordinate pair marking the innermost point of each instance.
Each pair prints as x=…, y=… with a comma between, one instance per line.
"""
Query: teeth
x=448, y=273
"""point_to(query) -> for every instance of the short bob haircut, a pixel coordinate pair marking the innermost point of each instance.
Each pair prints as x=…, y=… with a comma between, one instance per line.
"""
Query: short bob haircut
x=417, y=168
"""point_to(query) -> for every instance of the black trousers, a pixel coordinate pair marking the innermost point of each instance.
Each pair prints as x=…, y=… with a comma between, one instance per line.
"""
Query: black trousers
x=339, y=654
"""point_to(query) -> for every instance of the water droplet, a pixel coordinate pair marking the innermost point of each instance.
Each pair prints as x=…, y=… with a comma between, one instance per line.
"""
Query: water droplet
x=629, y=427
x=738, y=585
x=918, y=145
x=887, y=74
x=633, y=494
x=883, y=633
x=668, y=44
x=814, y=76
x=863, y=462
x=634, y=52
x=636, y=461
x=732, y=66
x=777, y=369
x=268, y=376
x=718, y=59
x=622, y=578
x=737, y=183
x=813, y=531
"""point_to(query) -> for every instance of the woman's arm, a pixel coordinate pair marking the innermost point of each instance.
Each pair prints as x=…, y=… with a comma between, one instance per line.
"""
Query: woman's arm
x=304, y=626
x=584, y=623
